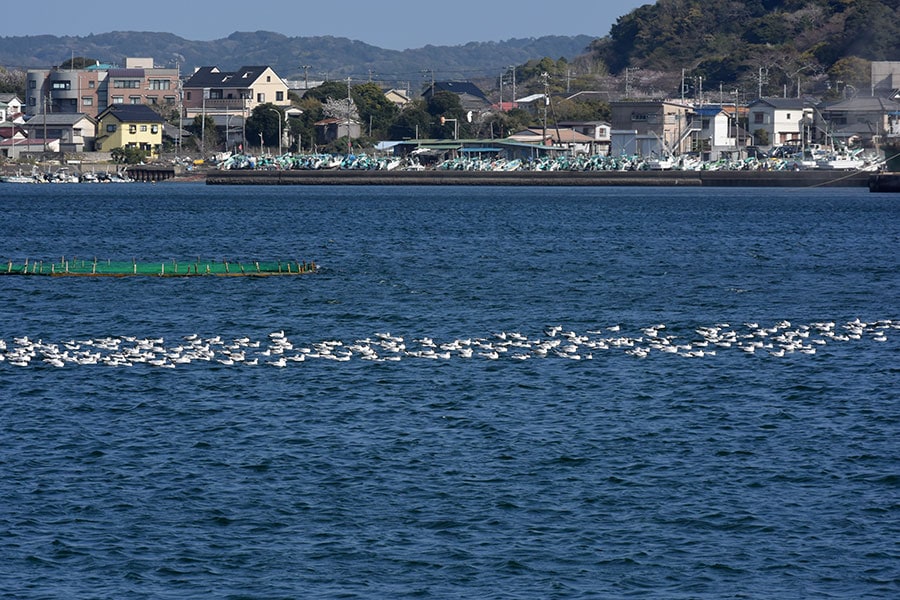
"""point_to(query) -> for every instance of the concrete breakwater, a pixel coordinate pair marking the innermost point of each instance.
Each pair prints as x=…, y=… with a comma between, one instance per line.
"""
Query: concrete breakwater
x=811, y=178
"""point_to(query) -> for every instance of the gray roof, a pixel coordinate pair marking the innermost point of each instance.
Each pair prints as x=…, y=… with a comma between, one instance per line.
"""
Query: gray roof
x=56, y=119
x=132, y=113
x=457, y=87
x=862, y=103
x=213, y=77
x=782, y=103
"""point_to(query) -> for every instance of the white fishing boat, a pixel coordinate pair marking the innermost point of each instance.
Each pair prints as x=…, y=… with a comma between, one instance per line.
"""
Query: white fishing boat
x=17, y=178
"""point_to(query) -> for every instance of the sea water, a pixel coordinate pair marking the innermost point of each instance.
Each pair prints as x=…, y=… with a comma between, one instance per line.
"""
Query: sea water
x=488, y=404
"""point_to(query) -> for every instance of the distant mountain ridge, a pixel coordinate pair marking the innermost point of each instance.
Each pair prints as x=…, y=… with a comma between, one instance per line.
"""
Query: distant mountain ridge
x=324, y=56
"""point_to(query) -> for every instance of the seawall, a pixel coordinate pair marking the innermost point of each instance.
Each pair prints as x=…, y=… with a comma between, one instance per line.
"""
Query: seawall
x=812, y=178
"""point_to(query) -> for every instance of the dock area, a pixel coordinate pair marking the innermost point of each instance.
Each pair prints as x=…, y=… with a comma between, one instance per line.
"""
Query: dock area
x=810, y=178
x=885, y=182
x=77, y=267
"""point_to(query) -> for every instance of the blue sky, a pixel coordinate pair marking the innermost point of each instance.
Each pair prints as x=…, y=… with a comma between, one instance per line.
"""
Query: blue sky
x=386, y=23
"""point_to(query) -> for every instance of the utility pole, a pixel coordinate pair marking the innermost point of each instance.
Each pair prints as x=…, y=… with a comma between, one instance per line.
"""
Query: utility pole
x=763, y=78
x=305, y=75
x=545, y=78
x=628, y=72
x=432, y=79
x=203, y=125
x=513, y=67
x=46, y=110
x=349, y=101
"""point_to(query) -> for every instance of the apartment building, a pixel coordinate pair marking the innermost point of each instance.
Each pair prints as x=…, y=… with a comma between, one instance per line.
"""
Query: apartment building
x=95, y=88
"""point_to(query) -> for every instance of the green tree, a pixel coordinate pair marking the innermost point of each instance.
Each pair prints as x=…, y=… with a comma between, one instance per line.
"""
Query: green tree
x=582, y=110
x=852, y=72
x=413, y=121
x=128, y=155
x=304, y=126
x=330, y=89
x=374, y=109
x=264, y=120
x=205, y=135
x=447, y=105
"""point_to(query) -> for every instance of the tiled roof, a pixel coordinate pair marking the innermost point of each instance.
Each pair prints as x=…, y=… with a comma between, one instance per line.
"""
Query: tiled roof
x=457, y=87
x=213, y=77
x=132, y=113
x=56, y=119
x=782, y=103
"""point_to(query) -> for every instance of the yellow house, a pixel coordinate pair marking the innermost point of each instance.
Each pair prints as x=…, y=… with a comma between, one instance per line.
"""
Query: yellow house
x=129, y=126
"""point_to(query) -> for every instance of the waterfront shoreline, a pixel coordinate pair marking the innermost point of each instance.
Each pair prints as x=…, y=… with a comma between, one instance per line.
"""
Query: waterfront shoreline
x=824, y=178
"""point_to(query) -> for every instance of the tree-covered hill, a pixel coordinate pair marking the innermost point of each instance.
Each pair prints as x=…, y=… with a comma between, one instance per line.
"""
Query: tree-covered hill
x=730, y=41
x=323, y=56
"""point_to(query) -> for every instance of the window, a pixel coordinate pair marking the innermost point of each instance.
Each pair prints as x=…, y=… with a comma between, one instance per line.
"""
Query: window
x=638, y=116
x=151, y=100
x=132, y=129
x=131, y=84
x=759, y=118
x=60, y=85
x=91, y=84
x=87, y=101
x=279, y=96
x=787, y=116
x=32, y=84
x=118, y=100
x=111, y=128
x=154, y=129
x=261, y=98
x=187, y=95
x=160, y=84
x=134, y=99
x=269, y=80
x=143, y=129
x=170, y=99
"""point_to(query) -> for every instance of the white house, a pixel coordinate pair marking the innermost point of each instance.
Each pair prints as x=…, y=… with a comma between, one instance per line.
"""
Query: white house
x=598, y=131
x=716, y=132
x=778, y=121
x=9, y=105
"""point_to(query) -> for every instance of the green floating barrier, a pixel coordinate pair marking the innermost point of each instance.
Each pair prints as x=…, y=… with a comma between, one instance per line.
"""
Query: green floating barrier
x=73, y=267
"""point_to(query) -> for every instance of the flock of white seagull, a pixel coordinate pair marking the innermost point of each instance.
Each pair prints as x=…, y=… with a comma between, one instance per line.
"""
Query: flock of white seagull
x=277, y=349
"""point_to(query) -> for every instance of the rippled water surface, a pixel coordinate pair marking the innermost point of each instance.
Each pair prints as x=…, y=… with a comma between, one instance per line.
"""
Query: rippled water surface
x=483, y=393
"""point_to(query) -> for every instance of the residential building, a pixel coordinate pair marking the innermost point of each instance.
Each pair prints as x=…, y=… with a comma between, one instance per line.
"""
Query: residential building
x=93, y=89
x=885, y=78
x=558, y=137
x=651, y=128
x=715, y=133
x=75, y=132
x=210, y=90
x=15, y=147
x=12, y=140
x=399, y=97
x=470, y=97
x=533, y=103
x=328, y=130
x=862, y=120
x=129, y=126
x=778, y=121
x=597, y=131
x=10, y=105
